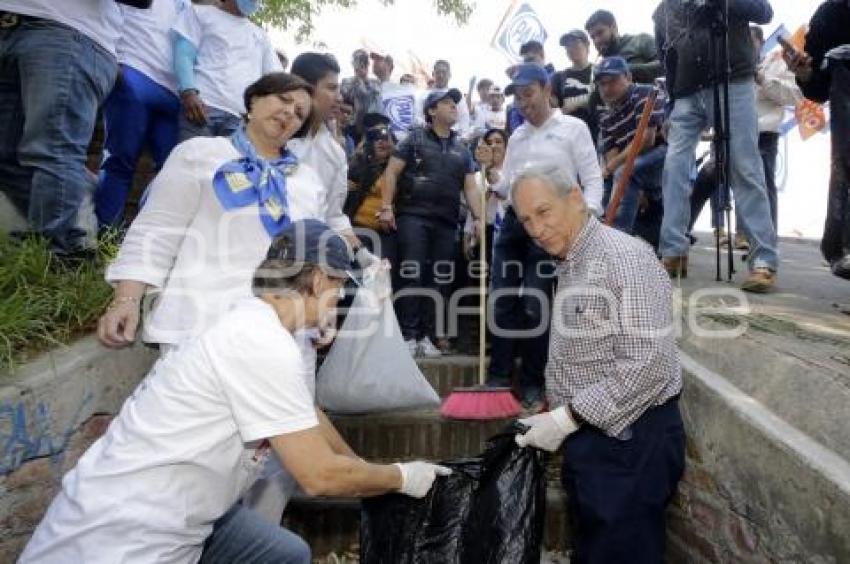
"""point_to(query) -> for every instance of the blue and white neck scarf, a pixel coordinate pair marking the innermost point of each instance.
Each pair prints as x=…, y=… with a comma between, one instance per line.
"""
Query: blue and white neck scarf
x=251, y=179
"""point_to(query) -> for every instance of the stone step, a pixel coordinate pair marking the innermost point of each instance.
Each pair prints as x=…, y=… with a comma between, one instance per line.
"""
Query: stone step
x=333, y=524
x=449, y=372
x=414, y=434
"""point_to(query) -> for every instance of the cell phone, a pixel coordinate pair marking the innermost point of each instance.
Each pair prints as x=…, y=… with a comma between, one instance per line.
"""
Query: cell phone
x=787, y=47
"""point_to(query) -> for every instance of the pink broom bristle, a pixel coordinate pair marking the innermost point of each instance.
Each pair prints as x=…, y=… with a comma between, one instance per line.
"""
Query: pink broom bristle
x=480, y=404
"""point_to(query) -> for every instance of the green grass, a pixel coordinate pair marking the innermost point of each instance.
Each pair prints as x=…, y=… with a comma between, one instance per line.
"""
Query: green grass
x=43, y=303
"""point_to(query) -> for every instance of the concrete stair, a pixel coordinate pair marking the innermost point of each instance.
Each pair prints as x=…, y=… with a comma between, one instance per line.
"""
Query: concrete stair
x=333, y=524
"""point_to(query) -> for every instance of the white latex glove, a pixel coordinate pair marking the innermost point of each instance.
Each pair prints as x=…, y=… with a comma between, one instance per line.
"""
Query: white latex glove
x=547, y=430
x=364, y=258
x=418, y=477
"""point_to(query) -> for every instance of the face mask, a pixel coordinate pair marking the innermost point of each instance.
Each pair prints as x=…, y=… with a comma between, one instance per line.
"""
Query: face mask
x=249, y=7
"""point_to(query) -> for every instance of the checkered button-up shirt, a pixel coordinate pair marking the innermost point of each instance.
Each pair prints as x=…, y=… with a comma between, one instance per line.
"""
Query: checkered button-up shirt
x=612, y=349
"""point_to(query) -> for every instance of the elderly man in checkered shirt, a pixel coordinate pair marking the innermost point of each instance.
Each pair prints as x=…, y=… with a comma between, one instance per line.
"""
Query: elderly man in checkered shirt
x=613, y=376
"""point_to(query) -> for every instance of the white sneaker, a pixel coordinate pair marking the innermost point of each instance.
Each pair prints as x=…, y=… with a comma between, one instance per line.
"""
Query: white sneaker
x=428, y=350
x=412, y=347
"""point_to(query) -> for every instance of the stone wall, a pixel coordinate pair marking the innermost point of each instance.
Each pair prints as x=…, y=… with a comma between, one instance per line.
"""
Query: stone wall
x=50, y=412
x=756, y=488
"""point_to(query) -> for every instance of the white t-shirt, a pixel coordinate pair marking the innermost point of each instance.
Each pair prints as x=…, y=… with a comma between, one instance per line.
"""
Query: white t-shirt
x=327, y=158
x=486, y=119
x=563, y=142
x=232, y=54
x=146, y=42
x=184, y=448
x=98, y=19
x=200, y=256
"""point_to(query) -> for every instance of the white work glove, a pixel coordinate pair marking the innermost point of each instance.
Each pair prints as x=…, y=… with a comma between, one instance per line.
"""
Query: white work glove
x=365, y=259
x=547, y=430
x=418, y=477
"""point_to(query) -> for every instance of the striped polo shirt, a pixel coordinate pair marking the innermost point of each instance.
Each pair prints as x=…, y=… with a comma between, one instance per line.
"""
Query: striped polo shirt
x=618, y=124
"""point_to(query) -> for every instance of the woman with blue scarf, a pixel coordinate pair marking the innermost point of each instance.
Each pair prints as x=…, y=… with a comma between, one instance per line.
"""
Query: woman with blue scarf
x=209, y=217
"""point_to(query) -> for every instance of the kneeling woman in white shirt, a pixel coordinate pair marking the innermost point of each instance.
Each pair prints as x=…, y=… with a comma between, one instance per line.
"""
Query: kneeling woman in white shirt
x=209, y=217
x=162, y=484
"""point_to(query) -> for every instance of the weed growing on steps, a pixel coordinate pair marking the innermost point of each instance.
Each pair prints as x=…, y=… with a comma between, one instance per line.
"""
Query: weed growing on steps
x=44, y=303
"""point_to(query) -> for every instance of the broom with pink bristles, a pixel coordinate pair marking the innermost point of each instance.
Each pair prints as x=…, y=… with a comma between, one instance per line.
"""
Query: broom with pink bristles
x=481, y=402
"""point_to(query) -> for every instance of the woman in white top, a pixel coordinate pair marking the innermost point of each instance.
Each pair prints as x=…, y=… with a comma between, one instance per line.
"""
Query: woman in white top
x=490, y=154
x=209, y=218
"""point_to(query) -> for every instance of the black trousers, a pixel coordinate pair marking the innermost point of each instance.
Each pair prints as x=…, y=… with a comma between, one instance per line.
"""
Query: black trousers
x=426, y=251
x=618, y=489
x=835, y=245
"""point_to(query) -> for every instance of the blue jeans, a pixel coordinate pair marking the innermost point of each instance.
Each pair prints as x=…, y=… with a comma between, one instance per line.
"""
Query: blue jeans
x=426, y=250
x=690, y=116
x=521, y=282
x=618, y=488
x=52, y=81
x=219, y=124
x=138, y=112
x=646, y=177
x=244, y=536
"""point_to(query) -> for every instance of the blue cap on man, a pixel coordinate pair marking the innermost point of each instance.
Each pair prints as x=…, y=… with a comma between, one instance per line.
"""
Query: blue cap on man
x=440, y=94
x=309, y=241
x=611, y=66
x=526, y=74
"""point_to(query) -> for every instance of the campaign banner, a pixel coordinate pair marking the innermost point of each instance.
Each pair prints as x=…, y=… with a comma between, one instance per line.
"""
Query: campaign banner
x=401, y=103
x=520, y=25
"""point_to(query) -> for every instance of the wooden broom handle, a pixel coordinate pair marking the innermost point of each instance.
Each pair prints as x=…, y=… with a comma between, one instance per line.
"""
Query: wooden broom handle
x=631, y=157
x=482, y=314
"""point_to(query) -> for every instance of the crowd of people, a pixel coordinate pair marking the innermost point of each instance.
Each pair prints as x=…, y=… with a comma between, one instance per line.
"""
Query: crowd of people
x=272, y=186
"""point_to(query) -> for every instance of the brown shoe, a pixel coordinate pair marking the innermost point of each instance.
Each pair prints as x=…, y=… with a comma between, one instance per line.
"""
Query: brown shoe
x=676, y=267
x=741, y=242
x=760, y=281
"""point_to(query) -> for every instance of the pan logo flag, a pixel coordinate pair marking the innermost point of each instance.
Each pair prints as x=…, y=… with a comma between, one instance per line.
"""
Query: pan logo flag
x=519, y=26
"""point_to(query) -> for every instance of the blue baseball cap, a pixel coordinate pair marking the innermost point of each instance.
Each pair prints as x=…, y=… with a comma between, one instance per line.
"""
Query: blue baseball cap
x=526, y=74
x=309, y=241
x=437, y=96
x=611, y=66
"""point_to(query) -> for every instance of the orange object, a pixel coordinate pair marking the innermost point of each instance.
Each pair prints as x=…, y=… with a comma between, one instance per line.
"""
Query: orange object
x=811, y=118
x=631, y=157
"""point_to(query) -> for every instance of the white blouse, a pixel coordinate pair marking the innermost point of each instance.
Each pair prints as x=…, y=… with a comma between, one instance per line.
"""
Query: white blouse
x=198, y=257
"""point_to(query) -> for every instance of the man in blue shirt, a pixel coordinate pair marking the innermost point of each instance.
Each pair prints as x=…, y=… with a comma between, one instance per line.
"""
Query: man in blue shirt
x=625, y=103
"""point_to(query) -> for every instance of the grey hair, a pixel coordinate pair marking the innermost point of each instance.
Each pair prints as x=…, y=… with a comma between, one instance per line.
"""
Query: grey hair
x=554, y=175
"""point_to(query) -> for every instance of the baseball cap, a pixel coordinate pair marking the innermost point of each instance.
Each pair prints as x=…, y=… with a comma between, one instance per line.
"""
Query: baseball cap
x=574, y=35
x=611, y=66
x=372, y=119
x=309, y=241
x=526, y=74
x=436, y=96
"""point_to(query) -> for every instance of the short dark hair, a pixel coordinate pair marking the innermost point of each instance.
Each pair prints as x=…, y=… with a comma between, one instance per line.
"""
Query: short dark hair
x=484, y=83
x=758, y=32
x=313, y=67
x=532, y=46
x=274, y=276
x=274, y=83
x=603, y=17
x=495, y=131
x=442, y=62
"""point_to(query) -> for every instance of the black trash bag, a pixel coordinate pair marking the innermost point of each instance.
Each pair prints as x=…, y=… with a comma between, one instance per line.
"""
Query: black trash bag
x=490, y=510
